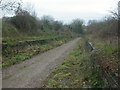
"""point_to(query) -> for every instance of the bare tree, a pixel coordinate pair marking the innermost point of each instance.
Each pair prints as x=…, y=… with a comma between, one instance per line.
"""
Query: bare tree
x=30, y=8
x=9, y=6
x=119, y=10
x=116, y=12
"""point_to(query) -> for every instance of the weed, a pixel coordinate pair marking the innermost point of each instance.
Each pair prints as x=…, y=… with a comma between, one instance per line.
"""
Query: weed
x=12, y=55
x=76, y=71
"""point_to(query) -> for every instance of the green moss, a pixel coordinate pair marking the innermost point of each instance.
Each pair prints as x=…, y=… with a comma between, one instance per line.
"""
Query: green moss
x=13, y=40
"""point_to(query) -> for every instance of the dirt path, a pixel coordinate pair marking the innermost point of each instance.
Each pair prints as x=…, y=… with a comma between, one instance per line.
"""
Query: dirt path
x=32, y=73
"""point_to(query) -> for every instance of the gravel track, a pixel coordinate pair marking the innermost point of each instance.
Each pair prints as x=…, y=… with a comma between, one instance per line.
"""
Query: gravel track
x=33, y=72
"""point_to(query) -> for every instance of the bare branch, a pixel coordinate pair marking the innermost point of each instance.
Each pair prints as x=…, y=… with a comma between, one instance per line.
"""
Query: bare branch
x=9, y=6
x=0, y=1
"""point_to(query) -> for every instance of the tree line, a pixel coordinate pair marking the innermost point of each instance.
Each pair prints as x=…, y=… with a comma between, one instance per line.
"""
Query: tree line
x=105, y=28
x=27, y=22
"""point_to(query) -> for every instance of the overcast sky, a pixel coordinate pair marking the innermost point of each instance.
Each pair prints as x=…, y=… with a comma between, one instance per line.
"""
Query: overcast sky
x=66, y=10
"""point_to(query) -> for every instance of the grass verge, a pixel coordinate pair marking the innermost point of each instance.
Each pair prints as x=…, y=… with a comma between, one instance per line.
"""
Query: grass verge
x=106, y=56
x=76, y=71
x=16, y=56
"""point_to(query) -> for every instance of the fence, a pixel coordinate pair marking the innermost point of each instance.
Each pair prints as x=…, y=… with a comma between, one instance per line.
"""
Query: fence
x=110, y=79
